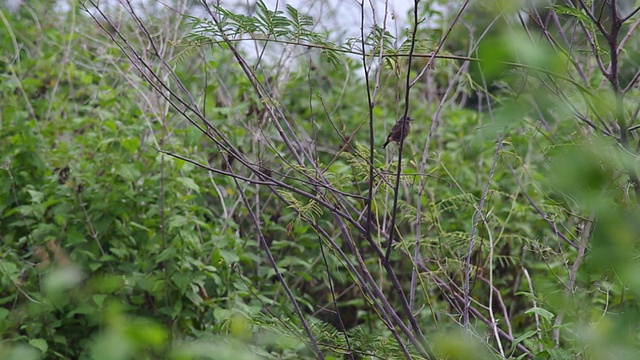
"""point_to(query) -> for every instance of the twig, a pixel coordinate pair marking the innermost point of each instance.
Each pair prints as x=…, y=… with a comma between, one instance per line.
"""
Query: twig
x=478, y=214
x=407, y=89
x=553, y=227
x=423, y=163
x=573, y=274
x=494, y=322
x=536, y=316
x=274, y=264
x=335, y=303
x=452, y=295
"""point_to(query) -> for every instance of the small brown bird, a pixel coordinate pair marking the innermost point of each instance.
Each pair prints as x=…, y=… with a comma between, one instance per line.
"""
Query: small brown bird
x=397, y=134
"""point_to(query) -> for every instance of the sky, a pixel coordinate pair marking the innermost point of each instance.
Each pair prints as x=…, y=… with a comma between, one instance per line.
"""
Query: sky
x=343, y=15
x=346, y=14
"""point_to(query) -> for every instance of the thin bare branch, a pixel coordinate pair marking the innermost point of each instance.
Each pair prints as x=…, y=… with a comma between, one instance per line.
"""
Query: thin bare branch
x=476, y=220
x=551, y=224
x=274, y=264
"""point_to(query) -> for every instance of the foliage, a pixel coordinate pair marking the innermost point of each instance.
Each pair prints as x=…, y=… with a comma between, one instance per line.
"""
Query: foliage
x=169, y=192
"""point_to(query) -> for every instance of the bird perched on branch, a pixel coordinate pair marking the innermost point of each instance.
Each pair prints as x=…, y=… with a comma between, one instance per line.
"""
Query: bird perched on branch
x=399, y=131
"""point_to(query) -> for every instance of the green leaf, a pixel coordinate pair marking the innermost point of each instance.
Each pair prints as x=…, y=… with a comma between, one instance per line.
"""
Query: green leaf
x=3, y=313
x=40, y=344
x=547, y=315
x=132, y=144
x=182, y=281
x=128, y=172
x=166, y=254
x=228, y=256
x=99, y=299
x=177, y=221
x=189, y=183
x=523, y=337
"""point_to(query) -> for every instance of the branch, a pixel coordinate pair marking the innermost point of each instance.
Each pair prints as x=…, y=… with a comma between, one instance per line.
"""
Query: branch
x=476, y=220
x=540, y=212
x=272, y=261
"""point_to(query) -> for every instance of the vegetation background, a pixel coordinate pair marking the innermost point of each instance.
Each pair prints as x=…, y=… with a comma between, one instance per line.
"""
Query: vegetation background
x=192, y=180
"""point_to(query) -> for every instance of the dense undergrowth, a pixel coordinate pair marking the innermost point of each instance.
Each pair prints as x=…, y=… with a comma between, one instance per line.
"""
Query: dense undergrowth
x=131, y=228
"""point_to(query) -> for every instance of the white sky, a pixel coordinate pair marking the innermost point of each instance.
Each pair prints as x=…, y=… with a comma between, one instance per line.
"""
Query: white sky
x=346, y=14
x=341, y=15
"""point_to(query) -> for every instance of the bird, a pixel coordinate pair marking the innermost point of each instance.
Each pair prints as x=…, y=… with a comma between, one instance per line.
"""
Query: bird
x=397, y=133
